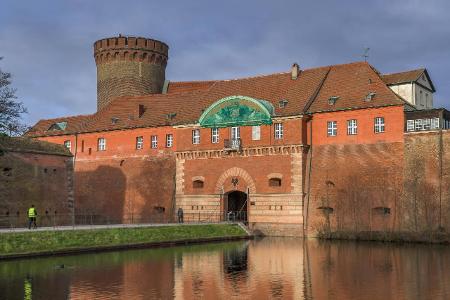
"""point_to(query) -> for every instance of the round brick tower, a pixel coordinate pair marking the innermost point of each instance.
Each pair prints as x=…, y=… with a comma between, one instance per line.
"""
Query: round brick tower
x=129, y=66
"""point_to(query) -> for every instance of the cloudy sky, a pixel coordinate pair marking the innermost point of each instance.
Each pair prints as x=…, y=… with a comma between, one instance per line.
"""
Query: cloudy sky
x=47, y=45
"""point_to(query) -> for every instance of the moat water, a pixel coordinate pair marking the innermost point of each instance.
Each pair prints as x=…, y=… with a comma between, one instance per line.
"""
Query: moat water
x=269, y=268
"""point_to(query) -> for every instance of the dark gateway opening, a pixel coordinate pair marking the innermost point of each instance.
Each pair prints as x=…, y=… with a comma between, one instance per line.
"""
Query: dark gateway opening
x=236, y=206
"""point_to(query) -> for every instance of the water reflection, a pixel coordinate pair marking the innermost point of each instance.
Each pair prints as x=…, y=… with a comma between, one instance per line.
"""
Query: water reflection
x=271, y=268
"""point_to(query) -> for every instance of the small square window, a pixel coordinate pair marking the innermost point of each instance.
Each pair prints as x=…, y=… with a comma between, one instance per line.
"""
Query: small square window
x=278, y=131
x=169, y=140
x=139, y=142
x=410, y=125
x=352, y=127
x=68, y=145
x=379, y=125
x=214, y=135
x=332, y=128
x=101, y=144
x=196, y=136
x=154, y=141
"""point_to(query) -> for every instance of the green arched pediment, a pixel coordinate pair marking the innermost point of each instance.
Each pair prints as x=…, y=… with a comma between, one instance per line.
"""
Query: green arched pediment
x=237, y=111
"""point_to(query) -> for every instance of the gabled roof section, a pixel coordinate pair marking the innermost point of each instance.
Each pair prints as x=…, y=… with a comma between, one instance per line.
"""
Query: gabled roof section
x=185, y=102
x=407, y=77
x=59, y=126
x=357, y=85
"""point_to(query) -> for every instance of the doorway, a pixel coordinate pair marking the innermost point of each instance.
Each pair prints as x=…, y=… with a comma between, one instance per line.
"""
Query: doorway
x=236, y=206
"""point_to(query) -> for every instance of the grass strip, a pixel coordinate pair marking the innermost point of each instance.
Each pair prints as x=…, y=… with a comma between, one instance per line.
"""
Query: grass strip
x=42, y=241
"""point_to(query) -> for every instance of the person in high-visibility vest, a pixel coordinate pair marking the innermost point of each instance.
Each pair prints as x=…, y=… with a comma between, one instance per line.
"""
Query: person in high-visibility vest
x=32, y=213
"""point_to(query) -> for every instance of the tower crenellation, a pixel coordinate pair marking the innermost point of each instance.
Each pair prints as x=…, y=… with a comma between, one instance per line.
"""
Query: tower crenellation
x=129, y=66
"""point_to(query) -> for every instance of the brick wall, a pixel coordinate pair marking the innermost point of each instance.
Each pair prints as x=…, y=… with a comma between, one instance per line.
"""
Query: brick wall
x=354, y=181
x=127, y=78
x=427, y=181
x=411, y=179
x=125, y=188
x=39, y=179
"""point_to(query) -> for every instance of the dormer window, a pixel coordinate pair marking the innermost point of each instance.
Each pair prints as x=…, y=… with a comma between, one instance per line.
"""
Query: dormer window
x=332, y=100
x=114, y=120
x=58, y=126
x=282, y=103
x=171, y=116
x=370, y=96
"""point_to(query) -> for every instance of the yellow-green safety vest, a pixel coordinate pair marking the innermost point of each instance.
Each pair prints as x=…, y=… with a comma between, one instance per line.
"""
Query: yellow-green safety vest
x=31, y=212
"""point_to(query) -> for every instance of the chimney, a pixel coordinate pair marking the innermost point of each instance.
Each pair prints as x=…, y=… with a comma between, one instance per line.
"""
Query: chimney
x=295, y=70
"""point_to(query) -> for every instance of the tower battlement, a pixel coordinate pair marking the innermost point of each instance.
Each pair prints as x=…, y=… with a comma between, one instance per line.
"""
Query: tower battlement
x=129, y=66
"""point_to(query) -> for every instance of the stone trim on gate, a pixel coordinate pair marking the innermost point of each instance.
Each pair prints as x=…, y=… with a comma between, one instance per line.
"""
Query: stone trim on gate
x=235, y=172
x=253, y=151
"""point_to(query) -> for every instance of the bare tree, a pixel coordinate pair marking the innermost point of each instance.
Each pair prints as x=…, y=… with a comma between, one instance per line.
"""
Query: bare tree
x=10, y=108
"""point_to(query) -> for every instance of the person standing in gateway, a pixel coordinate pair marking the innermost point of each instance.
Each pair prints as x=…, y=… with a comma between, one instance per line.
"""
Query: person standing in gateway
x=32, y=213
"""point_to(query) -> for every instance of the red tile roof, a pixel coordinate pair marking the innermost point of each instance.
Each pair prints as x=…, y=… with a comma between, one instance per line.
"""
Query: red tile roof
x=25, y=144
x=189, y=86
x=309, y=93
x=402, y=77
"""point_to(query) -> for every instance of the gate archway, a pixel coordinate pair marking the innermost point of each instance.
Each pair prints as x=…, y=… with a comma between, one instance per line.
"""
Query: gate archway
x=236, y=206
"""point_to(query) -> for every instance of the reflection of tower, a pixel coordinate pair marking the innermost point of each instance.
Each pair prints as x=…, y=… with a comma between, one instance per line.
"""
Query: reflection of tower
x=235, y=262
x=129, y=66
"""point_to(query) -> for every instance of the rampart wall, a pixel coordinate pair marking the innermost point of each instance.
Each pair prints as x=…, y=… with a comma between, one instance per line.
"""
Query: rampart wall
x=133, y=189
x=400, y=187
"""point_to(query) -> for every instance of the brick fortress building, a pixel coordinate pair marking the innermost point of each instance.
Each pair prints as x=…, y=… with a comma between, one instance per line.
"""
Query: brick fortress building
x=291, y=153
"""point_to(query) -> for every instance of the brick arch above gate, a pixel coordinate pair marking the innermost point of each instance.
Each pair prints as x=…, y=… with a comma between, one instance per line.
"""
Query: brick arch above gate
x=235, y=172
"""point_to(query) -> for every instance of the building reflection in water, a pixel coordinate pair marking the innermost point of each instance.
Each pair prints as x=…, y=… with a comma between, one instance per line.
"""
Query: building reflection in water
x=270, y=268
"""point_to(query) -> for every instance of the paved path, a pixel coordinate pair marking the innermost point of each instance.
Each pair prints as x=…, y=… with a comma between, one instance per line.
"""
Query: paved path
x=88, y=227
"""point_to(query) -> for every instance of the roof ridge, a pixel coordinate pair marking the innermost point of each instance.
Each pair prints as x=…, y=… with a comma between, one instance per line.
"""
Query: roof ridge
x=68, y=117
x=418, y=69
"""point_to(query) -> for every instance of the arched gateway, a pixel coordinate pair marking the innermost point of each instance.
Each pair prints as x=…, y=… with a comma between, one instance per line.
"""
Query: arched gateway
x=235, y=206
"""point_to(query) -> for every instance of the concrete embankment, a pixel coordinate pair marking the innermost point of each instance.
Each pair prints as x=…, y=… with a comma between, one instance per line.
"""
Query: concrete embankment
x=63, y=242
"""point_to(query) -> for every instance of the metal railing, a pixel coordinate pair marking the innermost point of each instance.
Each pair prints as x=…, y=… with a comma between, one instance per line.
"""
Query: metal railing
x=232, y=144
x=57, y=220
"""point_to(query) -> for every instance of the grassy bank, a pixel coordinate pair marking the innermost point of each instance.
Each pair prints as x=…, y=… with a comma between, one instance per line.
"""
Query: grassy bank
x=39, y=242
x=432, y=237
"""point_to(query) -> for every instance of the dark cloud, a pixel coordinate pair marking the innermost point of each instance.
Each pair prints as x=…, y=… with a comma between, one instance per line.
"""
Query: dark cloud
x=47, y=45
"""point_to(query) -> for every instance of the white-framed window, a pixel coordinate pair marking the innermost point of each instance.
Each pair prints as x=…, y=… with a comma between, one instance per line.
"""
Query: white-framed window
x=68, y=145
x=352, y=127
x=101, y=144
x=435, y=123
x=426, y=124
x=418, y=124
x=410, y=125
x=256, y=133
x=154, y=141
x=235, y=133
x=379, y=125
x=332, y=128
x=278, y=131
x=196, y=136
x=139, y=142
x=169, y=140
x=214, y=135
